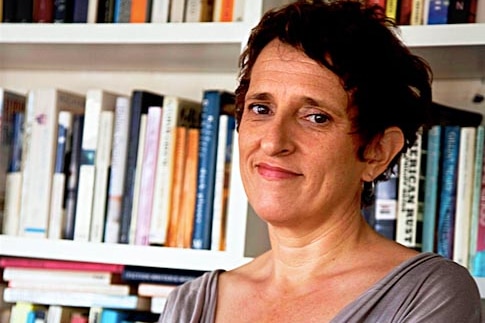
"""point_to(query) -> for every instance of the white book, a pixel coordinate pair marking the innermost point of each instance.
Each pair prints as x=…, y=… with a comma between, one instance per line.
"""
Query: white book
x=158, y=304
x=59, y=275
x=136, y=189
x=39, y=160
x=480, y=15
x=218, y=210
x=408, y=195
x=92, y=11
x=464, y=195
x=103, y=163
x=160, y=9
x=59, y=178
x=110, y=289
x=78, y=299
x=150, y=289
x=176, y=13
x=11, y=220
x=172, y=116
x=118, y=166
x=97, y=100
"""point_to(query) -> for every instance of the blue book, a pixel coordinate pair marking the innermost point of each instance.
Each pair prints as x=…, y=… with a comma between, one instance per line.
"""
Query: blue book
x=431, y=188
x=385, y=207
x=447, y=207
x=477, y=227
x=215, y=103
x=15, y=158
x=63, y=11
x=438, y=12
x=80, y=11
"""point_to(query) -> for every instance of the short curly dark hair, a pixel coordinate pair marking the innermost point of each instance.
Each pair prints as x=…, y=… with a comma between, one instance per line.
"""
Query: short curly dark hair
x=388, y=85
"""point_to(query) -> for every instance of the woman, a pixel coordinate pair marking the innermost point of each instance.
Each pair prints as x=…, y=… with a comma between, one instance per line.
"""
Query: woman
x=328, y=100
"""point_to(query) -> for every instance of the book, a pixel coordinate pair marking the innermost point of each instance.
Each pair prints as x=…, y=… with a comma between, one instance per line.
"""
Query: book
x=23, y=262
x=61, y=314
x=56, y=216
x=43, y=11
x=80, y=11
x=118, y=169
x=24, y=11
x=228, y=10
x=158, y=304
x=141, y=274
x=61, y=275
x=447, y=207
x=92, y=11
x=40, y=153
x=94, y=164
x=459, y=11
x=147, y=181
x=385, y=206
x=392, y=9
x=417, y=12
x=140, y=11
x=477, y=234
x=431, y=189
x=137, y=182
x=198, y=10
x=12, y=111
x=105, y=11
x=464, y=194
x=140, y=101
x=110, y=289
x=227, y=125
x=9, y=10
x=160, y=10
x=176, y=13
x=407, y=225
x=122, y=11
x=76, y=299
x=189, y=190
x=72, y=177
x=153, y=289
x=63, y=11
x=20, y=311
x=438, y=12
x=215, y=103
x=9, y=215
x=177, y=112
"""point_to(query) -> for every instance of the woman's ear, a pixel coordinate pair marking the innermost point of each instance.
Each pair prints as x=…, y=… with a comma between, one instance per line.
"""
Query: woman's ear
x=381, y=151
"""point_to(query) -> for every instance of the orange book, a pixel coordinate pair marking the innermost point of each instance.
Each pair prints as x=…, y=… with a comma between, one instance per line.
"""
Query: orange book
x=139, y=11
x=186, y=215
x=224, y=10
x=176, y=198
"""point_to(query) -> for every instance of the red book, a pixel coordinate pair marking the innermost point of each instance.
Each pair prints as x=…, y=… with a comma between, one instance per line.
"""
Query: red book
x=43, y=11
x=21, y=262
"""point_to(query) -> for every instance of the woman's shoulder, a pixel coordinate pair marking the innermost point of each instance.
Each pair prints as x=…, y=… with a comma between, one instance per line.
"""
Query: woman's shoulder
x=192, y=301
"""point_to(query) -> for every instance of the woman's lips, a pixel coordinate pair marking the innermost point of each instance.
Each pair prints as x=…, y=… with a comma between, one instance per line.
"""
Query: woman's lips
x=275, y=172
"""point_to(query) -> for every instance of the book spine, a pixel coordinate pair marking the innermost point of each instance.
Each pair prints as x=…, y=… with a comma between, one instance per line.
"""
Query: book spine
x=431, y=189
x=58, y=181
x=177, y=9
x=417, y=12
x=73, y=178
x=118, y=169
x=408, y=196
x=464, y=194
x=385, y=208
x=80, y=11
x=43, y=11
x=9, y=9
x=159, y=13
x=221, y=183
x=11, y=222
x=147, y=184
x=438, y=12
x=211, y=107
x=62, y=11
x=24, y=11
x=458, y=11
x=139, y=10
x=446, y=215
x=103, y=162
x=92, y=11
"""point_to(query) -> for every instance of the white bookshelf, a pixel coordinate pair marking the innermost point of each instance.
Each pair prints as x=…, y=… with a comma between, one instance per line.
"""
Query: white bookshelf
x=180, y=59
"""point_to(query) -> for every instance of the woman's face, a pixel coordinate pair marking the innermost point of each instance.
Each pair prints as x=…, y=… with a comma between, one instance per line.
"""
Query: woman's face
x=298, y=157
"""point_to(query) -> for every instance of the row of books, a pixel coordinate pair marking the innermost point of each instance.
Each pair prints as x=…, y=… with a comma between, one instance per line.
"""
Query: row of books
x=121, y=11
x=432, y=12
x=435, y=200
x=146, y=169
x=48, y=289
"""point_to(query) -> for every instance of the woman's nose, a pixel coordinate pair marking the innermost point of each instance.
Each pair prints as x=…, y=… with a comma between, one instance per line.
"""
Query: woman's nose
x=276, y=138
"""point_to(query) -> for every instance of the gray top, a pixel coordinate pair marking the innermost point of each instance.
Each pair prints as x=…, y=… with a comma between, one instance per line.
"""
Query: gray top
x=426, y=288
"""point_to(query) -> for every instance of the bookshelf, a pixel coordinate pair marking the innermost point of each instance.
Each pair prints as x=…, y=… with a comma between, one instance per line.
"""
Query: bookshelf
x=182, y=59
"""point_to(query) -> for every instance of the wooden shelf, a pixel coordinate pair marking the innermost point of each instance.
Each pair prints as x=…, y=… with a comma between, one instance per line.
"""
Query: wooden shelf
x=119, y=254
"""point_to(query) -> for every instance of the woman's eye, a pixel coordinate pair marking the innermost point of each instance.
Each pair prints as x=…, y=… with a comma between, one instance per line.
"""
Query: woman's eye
x=259, y=109
x=317, y=118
